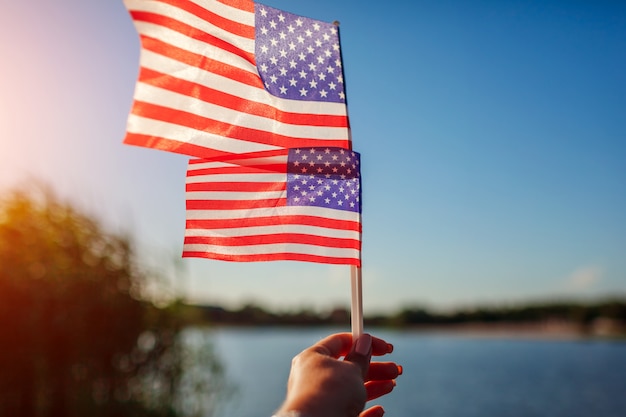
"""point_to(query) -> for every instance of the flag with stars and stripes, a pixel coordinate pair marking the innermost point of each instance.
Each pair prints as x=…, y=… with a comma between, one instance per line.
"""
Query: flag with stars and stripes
x=299, y=204
x=223, y=77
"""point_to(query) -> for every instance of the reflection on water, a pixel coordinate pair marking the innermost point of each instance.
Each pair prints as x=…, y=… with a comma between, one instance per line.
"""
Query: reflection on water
x=445, y=375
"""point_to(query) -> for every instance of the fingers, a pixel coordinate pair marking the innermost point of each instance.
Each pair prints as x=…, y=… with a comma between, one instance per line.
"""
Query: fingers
x=375, y=411
x=340, y=344
x=361, y=353
x=377, y=389
x=380, y=371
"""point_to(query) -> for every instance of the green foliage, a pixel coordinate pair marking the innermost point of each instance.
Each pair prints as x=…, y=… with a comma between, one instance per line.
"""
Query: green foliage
x=75, y=337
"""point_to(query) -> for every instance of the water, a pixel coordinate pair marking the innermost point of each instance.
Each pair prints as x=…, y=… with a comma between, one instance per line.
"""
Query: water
x=445, y=375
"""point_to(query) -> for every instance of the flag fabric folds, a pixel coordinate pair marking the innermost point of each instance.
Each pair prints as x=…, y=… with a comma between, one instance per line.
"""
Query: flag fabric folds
x=222, y=77
x=295, y=204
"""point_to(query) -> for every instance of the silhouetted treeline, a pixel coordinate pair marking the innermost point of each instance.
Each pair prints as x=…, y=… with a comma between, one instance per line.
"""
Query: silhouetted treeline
x=611, y=312
x=76, y=337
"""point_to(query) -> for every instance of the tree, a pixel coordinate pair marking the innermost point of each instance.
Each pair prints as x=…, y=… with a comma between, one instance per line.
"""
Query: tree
x=76, y=338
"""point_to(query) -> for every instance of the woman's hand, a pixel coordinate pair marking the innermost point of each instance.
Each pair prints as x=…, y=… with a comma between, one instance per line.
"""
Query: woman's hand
x=322, y=385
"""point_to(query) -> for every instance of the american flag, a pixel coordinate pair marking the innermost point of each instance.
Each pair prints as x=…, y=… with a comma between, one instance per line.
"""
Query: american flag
x=223, y=77
x=299, y=204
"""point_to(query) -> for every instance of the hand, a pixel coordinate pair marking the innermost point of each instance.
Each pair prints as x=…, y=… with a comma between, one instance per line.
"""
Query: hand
x=321, y=385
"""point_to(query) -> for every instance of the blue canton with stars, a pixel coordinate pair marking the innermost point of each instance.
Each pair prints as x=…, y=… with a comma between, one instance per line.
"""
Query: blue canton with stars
x=324, y=177
x=298, y=58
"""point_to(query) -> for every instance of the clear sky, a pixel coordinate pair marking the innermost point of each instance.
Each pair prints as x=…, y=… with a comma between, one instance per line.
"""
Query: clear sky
x=492, y=134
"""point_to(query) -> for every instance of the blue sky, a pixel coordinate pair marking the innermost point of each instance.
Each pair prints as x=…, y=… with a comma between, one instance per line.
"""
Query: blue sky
x=492, y=134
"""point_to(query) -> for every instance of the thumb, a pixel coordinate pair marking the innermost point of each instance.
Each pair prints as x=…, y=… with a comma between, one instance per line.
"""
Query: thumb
x=361, y=353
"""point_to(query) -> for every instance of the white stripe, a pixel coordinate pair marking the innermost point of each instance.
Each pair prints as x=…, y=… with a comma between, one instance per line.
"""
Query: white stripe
x=321, y=212
x=183, y=71
x=269, y=160
x=230, y=13
x=274, y=248
x=234, y=195
x=182, y=102
x=183, y=134
x=268, y=230
x=195, y=179
x=195, y=46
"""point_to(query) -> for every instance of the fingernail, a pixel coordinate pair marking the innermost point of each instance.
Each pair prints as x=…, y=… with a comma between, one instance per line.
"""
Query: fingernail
x=389, y=348
x=363, y=344
x=400, y=369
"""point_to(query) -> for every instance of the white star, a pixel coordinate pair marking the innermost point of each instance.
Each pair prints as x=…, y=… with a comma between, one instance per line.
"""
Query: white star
x=312, y=66
x=291, y=29
x=322, y=76
x=283, y=71
x=303, y=74
x=326, y=37
x=264, y=30
x=263, y=12
x=299, y=22
x=282, y=35
x=313, y=84
x=342, y=95
x=283, y=53
x=323, y=93
x=293, y=82
x=330, y=69
x=283, y=90
x=300, y=39
x=316, y=26
x=308, y=33
x=273, y=24
x=293, y=64
x=318, y=43
x=332, y=85
x=281, y=17
x=292, y=46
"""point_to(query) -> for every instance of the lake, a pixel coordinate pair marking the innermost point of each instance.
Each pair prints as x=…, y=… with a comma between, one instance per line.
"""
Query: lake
x=445, y=374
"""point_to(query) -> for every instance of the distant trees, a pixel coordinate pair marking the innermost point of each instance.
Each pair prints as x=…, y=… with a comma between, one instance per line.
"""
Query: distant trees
x=76, y=339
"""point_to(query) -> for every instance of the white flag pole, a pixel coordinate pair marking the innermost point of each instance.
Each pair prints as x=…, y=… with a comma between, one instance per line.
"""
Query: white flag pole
x=356, y=282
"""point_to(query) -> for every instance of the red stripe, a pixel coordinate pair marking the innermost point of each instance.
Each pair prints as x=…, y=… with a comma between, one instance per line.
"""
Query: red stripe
x=274, y=257
x=243, y=169
x=239, y=186
x=235, y=204
x=194, y=121
x=239, y=158
x=204, y=62
x=268, y=239
x=220, y=21
x=245, y=5
x=171, y=145
x=191, y=32
x=274, y=221
x=209, y=95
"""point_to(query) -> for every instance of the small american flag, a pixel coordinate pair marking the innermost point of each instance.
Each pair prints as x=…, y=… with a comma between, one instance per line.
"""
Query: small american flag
x=299, y=204
x=223, y=77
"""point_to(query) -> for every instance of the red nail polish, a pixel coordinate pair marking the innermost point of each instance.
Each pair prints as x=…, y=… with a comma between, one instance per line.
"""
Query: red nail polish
x=400, y=369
